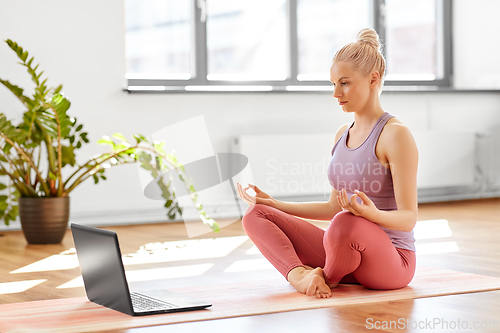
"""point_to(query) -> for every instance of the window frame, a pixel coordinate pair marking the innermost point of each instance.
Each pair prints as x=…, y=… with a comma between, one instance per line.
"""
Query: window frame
x=199, y=82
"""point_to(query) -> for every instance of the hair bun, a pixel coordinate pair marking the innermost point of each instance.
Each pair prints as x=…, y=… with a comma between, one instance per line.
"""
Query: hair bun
x=368, y=36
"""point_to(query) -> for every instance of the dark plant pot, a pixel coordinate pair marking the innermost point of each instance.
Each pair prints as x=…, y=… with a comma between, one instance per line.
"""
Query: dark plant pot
x=44, y=220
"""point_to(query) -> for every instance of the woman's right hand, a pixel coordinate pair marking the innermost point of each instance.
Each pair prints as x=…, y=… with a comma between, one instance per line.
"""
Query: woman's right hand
x=261, y=197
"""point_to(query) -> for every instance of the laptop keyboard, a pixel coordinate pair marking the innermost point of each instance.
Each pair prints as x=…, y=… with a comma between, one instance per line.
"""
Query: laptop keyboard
x=143, y=303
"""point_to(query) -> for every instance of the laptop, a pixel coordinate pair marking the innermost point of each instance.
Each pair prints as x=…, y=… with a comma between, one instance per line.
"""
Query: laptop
x=105, y=282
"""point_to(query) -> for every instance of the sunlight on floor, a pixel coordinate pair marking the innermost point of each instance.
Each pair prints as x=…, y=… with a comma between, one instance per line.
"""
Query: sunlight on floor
x=148, y=253
x=65, y=260
x=433, y=248
x=204, y=249
x=432, y=229
x=253, y=250
x=184, y=250
x=18, y=286
x=151, y=274
x=249, y=265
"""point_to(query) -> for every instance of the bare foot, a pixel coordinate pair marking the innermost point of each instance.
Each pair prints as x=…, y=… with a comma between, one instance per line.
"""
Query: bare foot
x=331, y=285
x=309, y=281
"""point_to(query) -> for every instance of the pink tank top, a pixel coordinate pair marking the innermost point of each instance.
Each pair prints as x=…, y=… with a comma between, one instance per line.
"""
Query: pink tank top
x=359, y=169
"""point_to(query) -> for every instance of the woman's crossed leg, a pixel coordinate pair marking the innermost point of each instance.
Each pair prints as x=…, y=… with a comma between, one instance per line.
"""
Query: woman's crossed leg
x=296, y=248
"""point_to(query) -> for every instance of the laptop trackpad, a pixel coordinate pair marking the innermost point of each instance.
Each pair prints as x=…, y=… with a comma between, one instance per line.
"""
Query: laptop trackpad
x=175, y=299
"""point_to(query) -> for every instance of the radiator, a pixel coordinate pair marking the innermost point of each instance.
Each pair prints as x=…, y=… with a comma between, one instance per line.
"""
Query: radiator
x=295, y=164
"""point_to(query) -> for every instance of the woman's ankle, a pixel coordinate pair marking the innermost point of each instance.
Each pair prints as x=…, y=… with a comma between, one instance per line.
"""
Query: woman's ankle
x=295, y=273
x=331, y=284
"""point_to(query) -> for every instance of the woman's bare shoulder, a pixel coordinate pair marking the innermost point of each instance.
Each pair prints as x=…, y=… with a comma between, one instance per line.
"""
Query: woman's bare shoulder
x=395, y=127
x=395, y=131
x=341, y=131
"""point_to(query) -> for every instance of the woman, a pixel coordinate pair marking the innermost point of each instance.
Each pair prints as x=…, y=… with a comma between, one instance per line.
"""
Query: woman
x=373, y=204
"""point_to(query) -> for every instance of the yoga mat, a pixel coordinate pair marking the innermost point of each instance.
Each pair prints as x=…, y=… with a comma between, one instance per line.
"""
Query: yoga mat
x=230, y=300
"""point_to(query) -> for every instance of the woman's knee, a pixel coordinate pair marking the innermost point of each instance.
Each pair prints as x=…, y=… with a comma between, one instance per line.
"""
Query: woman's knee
x=345, y=225
x=252, y=218
x=342, y=224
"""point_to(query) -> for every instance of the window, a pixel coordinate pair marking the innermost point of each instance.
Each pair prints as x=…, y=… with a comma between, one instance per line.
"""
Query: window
x=279, y=45
x=246, y=40
x=323, y=27
x=413, y=35
x=158, y=39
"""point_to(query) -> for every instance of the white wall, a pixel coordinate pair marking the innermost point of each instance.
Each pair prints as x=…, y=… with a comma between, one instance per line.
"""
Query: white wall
x=477, y=47
x=81, y=44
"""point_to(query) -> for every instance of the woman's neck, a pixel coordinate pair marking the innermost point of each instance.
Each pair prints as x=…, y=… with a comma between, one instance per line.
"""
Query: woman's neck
x=365, y=119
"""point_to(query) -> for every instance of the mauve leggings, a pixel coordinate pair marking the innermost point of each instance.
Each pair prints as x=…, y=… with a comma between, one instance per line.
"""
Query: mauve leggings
x=351, y=250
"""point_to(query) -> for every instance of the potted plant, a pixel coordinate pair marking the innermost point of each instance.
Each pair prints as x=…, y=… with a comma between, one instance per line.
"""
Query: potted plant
x=37, y=191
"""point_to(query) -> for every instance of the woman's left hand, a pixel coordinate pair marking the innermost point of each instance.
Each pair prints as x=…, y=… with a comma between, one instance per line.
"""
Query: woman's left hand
x=366, y=209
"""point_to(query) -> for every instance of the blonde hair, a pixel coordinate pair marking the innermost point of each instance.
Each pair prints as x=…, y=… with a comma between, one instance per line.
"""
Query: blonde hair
x=364, y=54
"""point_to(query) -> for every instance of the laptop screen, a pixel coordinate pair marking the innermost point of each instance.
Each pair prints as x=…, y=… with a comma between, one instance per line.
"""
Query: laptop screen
x=102, y=268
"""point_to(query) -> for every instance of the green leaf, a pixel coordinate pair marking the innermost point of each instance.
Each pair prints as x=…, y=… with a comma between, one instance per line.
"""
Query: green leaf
x=24, y=55
x=52, y=176
x=160, y=147
x=106, y=141
x=171, y=212
x=146, y=157
x=147, y=166
x=12, y=214
x=84, y=137
x=13, y=133
x=96, y=179
x=79, y=128
x=3, y=197
x=138, y=137
x=119, y=136
x=3, y=159
x=166, y=194
x=16, y=91
x=32, y=145
x=61, y=105
x=2, y=186
x=68, y=155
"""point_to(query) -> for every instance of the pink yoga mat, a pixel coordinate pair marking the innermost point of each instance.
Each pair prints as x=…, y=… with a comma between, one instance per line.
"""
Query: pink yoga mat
x=230, y=300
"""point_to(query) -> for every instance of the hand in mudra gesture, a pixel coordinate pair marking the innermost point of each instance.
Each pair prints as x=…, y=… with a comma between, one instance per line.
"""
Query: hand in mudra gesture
x=261, y=197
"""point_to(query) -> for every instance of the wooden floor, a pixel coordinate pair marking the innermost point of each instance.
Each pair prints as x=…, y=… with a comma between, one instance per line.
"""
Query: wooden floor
x=472, y=246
